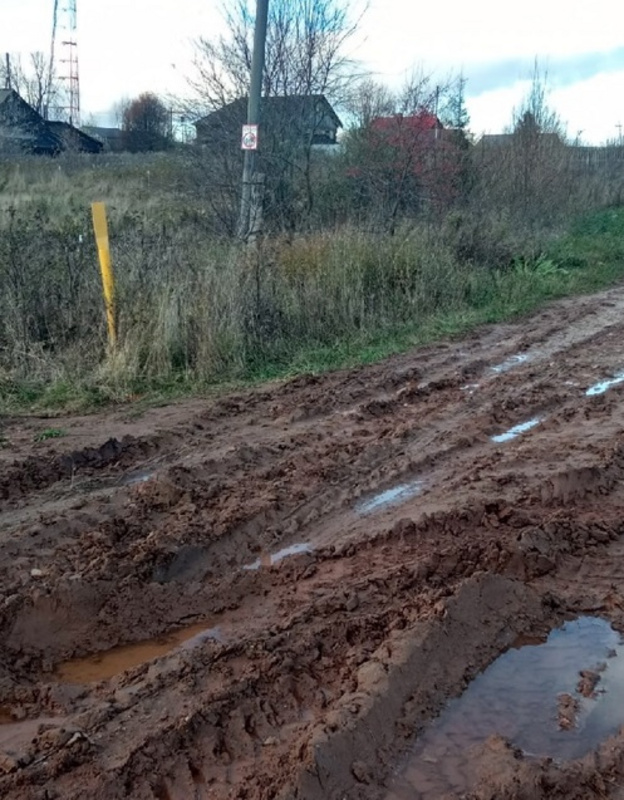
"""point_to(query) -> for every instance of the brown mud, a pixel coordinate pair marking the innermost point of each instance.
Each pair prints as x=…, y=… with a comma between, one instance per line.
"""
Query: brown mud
x=275, y=594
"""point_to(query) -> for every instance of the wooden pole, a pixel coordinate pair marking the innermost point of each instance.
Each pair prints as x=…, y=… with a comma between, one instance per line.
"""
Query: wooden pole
x=100, y=226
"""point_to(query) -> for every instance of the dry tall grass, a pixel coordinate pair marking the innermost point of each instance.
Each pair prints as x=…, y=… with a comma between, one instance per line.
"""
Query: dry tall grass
x=196, y=307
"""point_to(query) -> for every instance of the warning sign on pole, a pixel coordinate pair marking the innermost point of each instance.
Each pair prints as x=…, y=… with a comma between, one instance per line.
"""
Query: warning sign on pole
x=249, y=140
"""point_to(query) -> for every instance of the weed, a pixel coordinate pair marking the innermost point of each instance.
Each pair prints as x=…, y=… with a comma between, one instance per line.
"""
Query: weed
x=49, y=433
x=196, y=312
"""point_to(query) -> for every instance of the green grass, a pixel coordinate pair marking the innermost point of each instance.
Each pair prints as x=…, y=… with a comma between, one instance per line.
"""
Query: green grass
x=428, y=297
x=49, y=433
x=587, y=259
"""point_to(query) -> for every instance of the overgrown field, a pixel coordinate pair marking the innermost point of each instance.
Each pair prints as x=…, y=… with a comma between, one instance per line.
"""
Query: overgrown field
x=196, y=309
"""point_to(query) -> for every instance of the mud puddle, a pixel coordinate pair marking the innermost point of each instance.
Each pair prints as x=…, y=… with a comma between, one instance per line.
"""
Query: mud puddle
x=106, y=665
x=512, y=433
x=510, y=363
x=6, y=718
x=15, y=735
x=270, y=559
x=602, y=386
x=138, y=476
x=390, y=497
x=556, y=699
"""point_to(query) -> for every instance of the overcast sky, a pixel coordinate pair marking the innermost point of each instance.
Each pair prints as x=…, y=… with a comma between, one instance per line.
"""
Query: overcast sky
x=129, y=46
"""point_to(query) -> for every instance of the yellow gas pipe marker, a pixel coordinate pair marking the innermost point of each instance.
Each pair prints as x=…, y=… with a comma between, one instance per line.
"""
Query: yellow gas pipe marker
x=108, y=279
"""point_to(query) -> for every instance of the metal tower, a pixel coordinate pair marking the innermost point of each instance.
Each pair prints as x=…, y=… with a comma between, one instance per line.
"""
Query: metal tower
x=64, y=52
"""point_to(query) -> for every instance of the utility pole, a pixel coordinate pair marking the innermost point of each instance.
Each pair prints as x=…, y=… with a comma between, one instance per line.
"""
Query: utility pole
x=619, y=127
x=248, y=215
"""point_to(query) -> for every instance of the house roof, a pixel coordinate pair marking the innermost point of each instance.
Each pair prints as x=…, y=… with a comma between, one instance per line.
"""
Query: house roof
x=102, y=133
x=496, y=139
x=79, y=138
x=418, y=123
x=503, y=139
x=289, y=105
x=24, y=127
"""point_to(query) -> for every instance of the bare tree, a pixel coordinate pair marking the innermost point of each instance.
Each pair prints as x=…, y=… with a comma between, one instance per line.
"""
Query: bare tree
x=305, y=52
x=146, y=124
x=366, y=100
x=306, y=57
x=34, y=82
x=401, y=161
x=535, y=105
x=529, y=172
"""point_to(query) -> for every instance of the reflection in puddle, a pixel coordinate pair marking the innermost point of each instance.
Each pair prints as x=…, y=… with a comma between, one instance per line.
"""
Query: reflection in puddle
x=516, y=430
x=139, y=476
x=103, y=666
x=602, y=386
x=398, y=494
x=517, y=697
x=269, y=559
x=510, y=363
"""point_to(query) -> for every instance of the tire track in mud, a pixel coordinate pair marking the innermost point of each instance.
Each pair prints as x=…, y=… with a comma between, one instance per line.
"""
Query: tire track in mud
x=319, y=647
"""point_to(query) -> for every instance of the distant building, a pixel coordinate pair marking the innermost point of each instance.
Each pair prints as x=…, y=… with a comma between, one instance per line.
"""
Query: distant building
x=292, y=120
x=414, y=158
x=402, y=130
x=24, y=130
x=111, y=138
x=502, y=140
x=74, y=139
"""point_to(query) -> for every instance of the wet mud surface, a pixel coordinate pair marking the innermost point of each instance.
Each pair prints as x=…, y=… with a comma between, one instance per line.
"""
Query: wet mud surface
x=400, y=581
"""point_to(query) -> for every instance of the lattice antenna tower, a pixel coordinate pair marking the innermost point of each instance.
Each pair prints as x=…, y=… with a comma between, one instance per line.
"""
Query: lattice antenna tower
x=64, y=51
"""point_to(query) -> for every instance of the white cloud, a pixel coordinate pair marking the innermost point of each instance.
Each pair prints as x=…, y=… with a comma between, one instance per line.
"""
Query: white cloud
x=590, y=109
x=593, y=106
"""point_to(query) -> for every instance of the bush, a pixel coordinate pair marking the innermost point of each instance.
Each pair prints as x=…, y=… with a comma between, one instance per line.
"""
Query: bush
x=196, y=308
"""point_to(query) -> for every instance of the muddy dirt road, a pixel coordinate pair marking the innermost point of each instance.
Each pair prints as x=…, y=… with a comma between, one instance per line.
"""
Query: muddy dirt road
x=402, y=581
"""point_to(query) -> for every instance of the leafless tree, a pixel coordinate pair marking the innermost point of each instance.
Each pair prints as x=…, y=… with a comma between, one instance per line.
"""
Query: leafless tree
x=146, y=124
x=305, y=52
x=529, y=171
x=33, y=81
x=401, y=161
x=535, y=104
x=366, y=100
x=306, y=56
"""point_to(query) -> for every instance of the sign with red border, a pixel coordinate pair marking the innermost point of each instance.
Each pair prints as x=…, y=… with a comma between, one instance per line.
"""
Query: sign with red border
x=249, y=138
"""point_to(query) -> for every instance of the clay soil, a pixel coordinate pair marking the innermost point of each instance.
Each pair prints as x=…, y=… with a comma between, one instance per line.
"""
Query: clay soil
x=317, y=670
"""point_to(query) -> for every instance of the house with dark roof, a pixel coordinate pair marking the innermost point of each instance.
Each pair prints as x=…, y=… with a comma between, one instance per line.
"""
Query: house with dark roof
x=111, y=138
x=24, y=130
x=294, y=120
x=73, y=139
x=502, y=140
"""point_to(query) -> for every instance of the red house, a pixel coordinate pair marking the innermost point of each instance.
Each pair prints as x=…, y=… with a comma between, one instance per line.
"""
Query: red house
x=402, y=130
